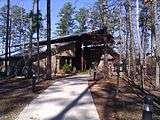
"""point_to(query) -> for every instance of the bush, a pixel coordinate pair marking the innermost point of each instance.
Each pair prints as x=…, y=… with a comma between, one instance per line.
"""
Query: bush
x=67, y=68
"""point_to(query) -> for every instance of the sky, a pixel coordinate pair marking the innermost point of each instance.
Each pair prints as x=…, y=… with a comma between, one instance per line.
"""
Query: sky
x=56, y=5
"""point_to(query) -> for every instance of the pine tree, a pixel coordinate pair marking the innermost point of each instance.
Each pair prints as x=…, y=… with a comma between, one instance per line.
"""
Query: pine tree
x=66, y=22
x=95, y=16
x=81, y=18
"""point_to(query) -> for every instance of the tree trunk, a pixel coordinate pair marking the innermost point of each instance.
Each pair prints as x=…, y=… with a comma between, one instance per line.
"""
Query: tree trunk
x=152, y=39
x=142, y=52
x=7, y=37
x=127, y=40
x=48, y=76
x=30, y=42
x=106, y=66
x=157, y=42
x=131, y=46
x=9, y=43
x=152, y=32
x=38, y=62
x=121, y=48
x=157, y=74
x=10, y=28
x=104, y=14
x=21, y=24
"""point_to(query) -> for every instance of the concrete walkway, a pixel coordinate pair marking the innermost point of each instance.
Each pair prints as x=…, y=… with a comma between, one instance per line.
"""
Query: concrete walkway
x=66, y=99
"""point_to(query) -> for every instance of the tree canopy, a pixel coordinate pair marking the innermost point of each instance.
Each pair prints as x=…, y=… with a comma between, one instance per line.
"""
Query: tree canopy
x=66, y=21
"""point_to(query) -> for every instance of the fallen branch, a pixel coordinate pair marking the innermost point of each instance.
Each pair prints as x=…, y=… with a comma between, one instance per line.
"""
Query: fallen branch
x=141, y=92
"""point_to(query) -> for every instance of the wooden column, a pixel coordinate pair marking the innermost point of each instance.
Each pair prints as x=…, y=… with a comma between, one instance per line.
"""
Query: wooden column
x=82, y=58
x=78, y=54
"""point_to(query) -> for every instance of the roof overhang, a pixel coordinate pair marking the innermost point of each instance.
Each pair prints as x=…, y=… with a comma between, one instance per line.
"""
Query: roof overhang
x=100, y=35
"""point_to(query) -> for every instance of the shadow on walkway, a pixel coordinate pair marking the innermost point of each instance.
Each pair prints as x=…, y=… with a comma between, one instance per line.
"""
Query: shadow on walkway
x=61, y=115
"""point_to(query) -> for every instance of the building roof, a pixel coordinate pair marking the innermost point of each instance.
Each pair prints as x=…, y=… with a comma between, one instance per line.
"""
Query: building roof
x=98, y=34
x=19, y=53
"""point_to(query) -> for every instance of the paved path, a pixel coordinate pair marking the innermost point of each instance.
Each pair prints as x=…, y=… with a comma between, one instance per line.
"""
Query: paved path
x=66, y=99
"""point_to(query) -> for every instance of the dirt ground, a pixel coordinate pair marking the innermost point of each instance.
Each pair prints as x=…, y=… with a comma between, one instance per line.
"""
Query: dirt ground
x=15, y=94
x=125, y=105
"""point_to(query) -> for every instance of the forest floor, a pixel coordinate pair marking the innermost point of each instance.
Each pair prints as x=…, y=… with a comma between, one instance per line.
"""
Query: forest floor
x=16, y=93
x=127, y=105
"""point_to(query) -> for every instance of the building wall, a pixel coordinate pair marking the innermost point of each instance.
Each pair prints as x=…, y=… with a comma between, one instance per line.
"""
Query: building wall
x=53, y=65
x=55, y=62
x=43, y=65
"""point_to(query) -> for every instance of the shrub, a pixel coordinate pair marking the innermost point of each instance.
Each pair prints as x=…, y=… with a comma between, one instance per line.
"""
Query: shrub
x=67, y=68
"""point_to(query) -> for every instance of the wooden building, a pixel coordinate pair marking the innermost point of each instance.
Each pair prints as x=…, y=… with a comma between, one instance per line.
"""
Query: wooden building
x=79, y=51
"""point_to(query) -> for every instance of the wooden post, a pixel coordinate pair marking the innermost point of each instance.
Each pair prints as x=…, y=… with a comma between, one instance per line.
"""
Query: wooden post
x=82, y=57
x=78, y=54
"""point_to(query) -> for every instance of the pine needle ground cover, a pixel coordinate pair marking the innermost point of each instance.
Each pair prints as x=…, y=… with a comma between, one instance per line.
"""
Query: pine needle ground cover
x=15, y=94
x=127, y=105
